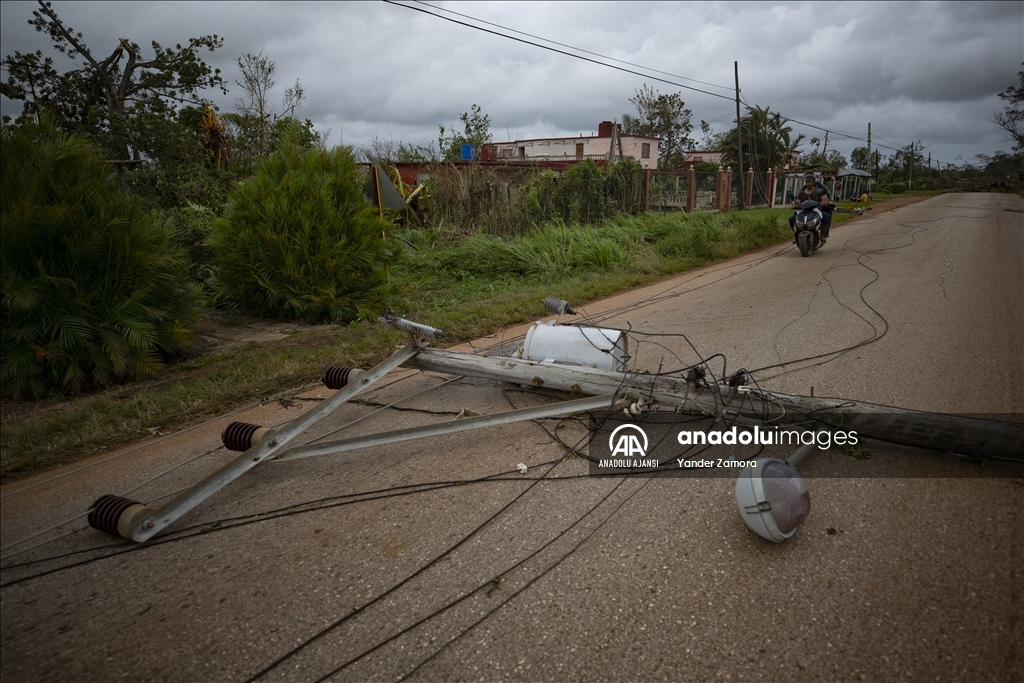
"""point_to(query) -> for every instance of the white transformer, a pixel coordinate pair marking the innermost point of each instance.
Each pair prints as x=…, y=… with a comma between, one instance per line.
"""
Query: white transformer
x=585, y=346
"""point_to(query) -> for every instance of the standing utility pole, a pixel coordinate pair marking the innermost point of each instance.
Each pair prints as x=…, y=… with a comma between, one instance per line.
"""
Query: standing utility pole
x=910, y=182
x=869, y=149
x=739, y=135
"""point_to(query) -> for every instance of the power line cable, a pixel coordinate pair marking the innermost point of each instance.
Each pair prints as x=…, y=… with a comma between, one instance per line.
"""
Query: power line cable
x=563, y=52
x=572, y=47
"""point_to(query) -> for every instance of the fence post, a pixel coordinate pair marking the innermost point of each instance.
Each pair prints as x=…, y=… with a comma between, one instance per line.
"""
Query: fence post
x=718, y=189
x=691, y=189
x=727, y=205
x=769, y=182
x=647, y=189
x=750, y=188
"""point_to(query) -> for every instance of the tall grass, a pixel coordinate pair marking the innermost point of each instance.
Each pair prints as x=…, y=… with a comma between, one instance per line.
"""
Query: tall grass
x=94, y=291
x=641, y=244
x=504, y=202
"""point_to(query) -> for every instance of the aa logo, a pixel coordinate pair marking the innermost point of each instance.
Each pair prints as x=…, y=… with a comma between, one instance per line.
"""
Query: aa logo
x=625, y=441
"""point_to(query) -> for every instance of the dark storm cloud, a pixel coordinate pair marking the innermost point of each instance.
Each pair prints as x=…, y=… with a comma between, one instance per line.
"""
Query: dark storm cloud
x=914, y=70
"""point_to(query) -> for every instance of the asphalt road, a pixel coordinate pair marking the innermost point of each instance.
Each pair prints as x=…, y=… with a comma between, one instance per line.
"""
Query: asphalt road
x=383, y=564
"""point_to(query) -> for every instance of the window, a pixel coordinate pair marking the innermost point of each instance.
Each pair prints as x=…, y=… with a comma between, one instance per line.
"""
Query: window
x=645, y=150
x=506, y=152
x=698, y=158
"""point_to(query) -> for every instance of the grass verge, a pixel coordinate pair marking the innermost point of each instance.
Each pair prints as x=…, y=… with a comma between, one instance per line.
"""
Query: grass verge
x=469, y=286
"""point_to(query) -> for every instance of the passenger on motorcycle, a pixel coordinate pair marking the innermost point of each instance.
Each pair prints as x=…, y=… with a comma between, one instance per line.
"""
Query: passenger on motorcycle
x=813, y=189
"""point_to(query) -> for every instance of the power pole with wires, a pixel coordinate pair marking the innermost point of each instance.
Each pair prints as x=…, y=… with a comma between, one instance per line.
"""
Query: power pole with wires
x=869, y=144
x=910, y=181
x=739, y=136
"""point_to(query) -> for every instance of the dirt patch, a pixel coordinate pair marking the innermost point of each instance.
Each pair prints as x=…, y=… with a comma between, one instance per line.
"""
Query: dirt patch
x=219, y=331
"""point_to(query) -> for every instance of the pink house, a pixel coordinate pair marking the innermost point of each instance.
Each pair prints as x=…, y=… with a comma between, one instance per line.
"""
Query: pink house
x=703, y=158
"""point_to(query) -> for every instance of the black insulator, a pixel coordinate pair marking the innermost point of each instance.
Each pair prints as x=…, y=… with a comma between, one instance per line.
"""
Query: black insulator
x=336, y=377
x=237, y=436
x=739, y=379
x=559, y=306
x=696, y=376
x=106, y=512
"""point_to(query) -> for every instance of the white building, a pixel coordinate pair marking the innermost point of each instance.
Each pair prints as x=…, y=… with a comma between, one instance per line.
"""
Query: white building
x=604, y=145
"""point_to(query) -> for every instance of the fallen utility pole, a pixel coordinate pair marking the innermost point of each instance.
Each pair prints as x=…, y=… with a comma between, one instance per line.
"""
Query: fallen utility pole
x=967, y=436
x=606, y=389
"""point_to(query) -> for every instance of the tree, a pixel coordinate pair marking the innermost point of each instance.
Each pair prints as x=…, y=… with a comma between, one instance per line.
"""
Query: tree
x=832, y=159
x=710, y=141
x=389, y=151
x=905, y=164
x=662, y=116
x=258, y=128
x=1012, y=118
x=476, y=131
x=122, y=105
x=861, y=159
x=212, y=127
x=768, y=141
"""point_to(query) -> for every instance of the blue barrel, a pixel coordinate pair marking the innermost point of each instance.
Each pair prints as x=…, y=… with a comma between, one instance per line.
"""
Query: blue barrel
x=468, y=152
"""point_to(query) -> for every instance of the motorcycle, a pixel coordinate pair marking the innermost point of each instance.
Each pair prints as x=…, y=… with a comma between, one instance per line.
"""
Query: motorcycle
x=807, y=226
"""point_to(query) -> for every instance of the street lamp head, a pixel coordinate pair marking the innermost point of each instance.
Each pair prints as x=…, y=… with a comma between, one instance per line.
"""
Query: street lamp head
x=772, y=498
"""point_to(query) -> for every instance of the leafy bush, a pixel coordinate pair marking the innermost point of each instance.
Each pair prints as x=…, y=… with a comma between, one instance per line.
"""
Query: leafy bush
x=192, y=226
x=299, y=240
x=94, y=291
x=897, y=188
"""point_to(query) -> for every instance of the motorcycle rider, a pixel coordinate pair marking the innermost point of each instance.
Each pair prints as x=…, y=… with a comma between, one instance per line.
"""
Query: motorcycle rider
x=814, y=190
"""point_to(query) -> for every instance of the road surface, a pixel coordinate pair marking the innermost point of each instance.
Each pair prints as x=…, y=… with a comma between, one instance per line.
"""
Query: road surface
x=386, y=563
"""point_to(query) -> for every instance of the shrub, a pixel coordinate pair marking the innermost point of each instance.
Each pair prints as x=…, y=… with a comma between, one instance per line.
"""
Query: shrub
x=299, y=240
x=94, y=291
x=897, y=188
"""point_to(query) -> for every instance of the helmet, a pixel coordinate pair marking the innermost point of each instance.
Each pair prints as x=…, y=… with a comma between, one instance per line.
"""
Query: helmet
x=810, y=176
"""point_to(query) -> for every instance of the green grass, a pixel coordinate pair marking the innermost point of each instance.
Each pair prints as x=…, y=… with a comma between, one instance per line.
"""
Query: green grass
x=467, y=286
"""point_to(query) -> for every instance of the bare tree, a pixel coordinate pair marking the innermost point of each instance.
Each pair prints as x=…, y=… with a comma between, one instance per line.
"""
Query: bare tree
x=293, y=97
x=256, y=82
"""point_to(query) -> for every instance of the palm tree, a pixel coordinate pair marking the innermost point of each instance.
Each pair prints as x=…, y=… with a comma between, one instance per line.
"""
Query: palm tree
x=768, y=142
x=213, y=128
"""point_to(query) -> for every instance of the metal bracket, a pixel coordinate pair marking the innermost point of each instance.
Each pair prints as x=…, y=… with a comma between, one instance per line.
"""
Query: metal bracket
x=144, y=527
x=450, y=427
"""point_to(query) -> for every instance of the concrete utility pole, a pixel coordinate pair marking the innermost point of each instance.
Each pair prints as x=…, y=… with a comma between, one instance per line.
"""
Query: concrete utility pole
x=739, y=135
x=969, y=436
x=910, y=182
x=869, y=145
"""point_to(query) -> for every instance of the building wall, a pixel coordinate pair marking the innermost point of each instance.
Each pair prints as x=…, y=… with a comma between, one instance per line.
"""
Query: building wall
x=704, y=157
x=566, y=148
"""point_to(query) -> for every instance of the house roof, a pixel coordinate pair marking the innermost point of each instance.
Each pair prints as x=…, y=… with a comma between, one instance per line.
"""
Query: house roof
x=568, y=139
x=852, y=171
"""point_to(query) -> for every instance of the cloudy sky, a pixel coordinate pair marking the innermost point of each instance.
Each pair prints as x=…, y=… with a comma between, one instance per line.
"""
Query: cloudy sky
x=915, y=71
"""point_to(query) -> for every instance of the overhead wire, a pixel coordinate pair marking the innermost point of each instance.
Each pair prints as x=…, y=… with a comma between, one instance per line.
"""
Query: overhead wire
x=563, y=52
x=571, y=47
